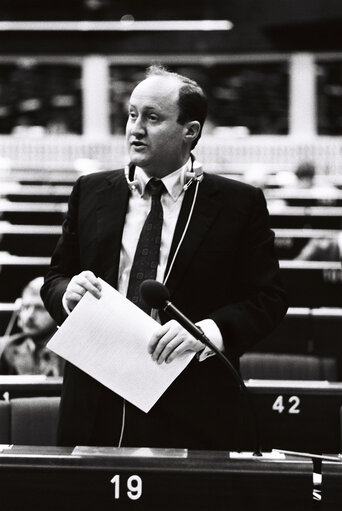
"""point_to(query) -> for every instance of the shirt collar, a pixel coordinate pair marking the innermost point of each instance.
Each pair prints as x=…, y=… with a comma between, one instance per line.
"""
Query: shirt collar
x=174, y=182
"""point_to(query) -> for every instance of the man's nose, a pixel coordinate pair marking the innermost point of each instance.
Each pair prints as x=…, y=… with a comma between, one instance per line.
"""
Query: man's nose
x=31, y=310
x=138, y=127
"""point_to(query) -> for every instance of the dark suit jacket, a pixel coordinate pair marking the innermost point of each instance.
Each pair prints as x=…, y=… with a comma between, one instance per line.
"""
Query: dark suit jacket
x=225, y=270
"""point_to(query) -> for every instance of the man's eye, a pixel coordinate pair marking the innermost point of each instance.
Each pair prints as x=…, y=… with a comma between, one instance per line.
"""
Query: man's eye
x=153, y=117
x=132, y=115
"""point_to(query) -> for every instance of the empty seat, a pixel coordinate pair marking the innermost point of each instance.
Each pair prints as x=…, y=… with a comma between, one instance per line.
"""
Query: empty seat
x=29, y=421
x=34, y=420
x=279, y=366
x=5, y=422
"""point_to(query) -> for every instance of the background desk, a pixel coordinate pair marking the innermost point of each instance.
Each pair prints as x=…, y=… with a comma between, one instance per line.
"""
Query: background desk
x=312, y=283
x=320, y=196
x=292, y=415
x=298, y=416
x=29, y=386
x=311, y=217
x=290, y=242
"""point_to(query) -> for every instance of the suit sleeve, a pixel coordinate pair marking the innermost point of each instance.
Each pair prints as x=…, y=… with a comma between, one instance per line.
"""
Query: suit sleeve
x=65, y=261
x=262, y=301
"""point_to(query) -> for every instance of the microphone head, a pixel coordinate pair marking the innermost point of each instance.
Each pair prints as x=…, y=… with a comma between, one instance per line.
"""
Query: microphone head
x=154, y=293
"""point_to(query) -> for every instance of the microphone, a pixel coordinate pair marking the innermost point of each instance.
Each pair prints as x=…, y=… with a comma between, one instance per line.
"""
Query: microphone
x=157, y=296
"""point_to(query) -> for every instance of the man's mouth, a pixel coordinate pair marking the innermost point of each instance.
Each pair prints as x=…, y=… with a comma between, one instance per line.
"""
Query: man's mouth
x=138, y=143
x=31, y=328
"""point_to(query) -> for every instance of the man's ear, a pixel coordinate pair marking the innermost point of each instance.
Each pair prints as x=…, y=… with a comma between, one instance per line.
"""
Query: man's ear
x=192, y=130
x=19, y=321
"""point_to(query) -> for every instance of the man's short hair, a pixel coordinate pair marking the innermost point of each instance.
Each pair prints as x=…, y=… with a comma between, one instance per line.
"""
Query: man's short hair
x=33, y=286
x=192, y=101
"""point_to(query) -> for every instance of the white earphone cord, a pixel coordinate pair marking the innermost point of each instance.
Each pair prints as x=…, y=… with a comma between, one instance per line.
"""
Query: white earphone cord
x=184, y=233
x=123, y=421
x=165, y=279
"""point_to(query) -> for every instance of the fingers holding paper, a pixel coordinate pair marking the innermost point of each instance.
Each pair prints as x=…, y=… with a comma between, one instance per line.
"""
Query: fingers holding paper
x=79, y=285
x=170, y=341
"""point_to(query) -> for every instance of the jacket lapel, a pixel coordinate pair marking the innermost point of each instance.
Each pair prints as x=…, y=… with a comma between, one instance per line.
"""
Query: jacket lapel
x=205, y=211
x=112, y=201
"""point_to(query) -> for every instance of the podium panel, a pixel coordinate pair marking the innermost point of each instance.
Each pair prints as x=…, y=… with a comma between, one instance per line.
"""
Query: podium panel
x=298, y=416
x=150, y=480
x=331, y=486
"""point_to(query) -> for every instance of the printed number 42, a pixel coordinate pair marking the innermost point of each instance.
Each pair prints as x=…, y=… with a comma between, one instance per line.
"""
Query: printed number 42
x=293, y=401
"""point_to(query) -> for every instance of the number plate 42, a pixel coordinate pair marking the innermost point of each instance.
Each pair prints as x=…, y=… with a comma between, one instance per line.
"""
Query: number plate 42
x=286, y=405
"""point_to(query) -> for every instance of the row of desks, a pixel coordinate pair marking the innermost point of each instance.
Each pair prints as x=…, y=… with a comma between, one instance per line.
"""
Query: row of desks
x=303, y=331
x=40, y=240
x=295, y=415
x=61, y=185
x=52, y=213
x=307, y=283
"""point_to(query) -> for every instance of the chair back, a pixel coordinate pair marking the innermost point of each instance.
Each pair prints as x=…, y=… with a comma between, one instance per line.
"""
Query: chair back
x=279, y=366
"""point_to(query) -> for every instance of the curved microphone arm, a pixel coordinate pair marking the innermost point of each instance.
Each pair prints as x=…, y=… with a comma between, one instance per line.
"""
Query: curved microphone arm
x=157, y=296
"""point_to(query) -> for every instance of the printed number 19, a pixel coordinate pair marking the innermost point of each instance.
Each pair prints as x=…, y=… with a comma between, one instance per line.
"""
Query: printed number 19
x=134, y=487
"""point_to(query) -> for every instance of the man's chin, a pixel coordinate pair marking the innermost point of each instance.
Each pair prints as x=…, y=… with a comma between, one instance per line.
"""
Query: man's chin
x=31, y=331
x=137, y=160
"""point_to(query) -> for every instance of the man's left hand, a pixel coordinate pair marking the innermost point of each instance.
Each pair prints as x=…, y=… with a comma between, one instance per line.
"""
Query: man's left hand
x=171, y=340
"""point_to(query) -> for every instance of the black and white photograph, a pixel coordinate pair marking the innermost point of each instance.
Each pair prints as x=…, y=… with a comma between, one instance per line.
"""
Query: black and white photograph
x=171, y=255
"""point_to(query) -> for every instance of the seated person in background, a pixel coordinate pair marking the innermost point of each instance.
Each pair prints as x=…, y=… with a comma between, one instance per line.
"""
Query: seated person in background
x=322, y=188
x=305, y=174
x=25, y=352
x=306, y=181
x=322, y=249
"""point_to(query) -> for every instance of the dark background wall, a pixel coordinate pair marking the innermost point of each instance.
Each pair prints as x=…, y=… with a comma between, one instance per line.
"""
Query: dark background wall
x=259, y=26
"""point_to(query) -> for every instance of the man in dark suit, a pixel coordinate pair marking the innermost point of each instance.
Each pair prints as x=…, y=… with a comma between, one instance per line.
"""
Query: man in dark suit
x=216, y=258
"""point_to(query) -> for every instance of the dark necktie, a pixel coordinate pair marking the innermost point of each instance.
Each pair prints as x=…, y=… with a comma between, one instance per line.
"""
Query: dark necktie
x=146, y=257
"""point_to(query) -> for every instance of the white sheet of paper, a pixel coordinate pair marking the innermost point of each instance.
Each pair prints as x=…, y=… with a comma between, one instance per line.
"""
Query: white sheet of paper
x=107, y=338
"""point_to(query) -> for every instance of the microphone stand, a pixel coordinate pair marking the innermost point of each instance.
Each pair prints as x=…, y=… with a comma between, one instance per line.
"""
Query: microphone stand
x=198, y=333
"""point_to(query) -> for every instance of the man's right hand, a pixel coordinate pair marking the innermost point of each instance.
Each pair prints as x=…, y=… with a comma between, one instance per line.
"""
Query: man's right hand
x=79, y=285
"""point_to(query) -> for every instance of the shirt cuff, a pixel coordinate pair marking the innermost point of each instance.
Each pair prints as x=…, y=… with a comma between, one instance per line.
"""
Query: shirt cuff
x=65, y=307
x=212, y=331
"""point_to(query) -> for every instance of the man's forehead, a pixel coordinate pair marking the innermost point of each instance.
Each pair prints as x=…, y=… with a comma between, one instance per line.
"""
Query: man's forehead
x=157, y=88
x=30, y=296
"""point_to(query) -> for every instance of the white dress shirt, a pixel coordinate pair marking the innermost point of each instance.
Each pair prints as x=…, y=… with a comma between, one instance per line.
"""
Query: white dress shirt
x=139, y=206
